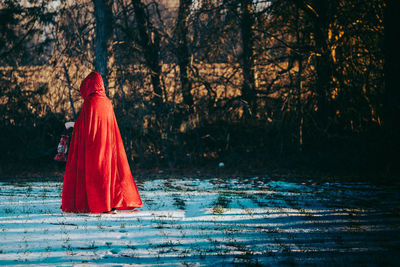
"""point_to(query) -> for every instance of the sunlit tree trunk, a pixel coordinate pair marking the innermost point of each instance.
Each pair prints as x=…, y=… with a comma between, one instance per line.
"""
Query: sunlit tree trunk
x=317, y=12
x=299, y=84
x=103, y=18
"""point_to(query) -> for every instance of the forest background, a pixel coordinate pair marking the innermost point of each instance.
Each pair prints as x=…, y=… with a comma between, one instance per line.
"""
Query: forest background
x=296, y=86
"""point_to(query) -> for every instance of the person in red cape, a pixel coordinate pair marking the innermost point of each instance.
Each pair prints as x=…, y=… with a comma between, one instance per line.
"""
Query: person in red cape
x=97, y=176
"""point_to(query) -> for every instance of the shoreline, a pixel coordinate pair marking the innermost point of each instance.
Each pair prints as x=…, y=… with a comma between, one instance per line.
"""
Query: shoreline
x=207, y=172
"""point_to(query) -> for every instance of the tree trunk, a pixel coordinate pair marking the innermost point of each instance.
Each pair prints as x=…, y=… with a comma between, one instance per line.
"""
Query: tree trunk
x=183, y=51
x=247, y=58
x=299, y=85
x=70, y=91
x=391, y=107
x=318, y=15
x=323, y=64
x=149, y=41
x=103, y=18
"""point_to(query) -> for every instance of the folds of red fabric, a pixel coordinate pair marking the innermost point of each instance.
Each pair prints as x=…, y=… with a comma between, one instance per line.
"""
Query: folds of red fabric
x=97, y=176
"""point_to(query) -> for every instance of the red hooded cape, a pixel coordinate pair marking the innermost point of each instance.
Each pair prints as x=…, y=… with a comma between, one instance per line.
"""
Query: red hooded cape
x=97, y=176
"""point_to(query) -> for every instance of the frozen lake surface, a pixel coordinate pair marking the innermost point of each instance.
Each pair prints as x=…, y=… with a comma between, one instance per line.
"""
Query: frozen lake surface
x=200, y=222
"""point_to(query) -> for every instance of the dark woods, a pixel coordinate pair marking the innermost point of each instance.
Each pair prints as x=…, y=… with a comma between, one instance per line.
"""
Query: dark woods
x=303, y=85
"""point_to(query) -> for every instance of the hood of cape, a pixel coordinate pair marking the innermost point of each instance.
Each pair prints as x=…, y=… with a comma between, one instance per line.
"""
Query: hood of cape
x=92, y=84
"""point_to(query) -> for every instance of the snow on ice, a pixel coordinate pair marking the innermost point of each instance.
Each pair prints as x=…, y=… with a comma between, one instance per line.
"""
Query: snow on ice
x=204, y=222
